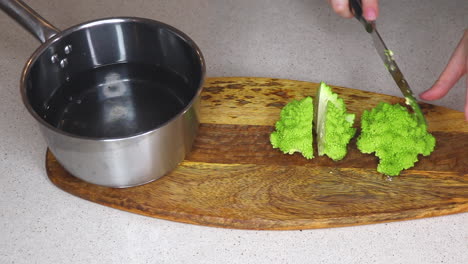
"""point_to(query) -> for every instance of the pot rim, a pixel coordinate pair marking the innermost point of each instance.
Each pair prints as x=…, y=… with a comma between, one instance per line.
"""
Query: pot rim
x=109, y=20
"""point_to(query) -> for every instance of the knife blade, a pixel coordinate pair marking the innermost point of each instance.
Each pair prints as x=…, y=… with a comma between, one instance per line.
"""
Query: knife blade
x=387, y=57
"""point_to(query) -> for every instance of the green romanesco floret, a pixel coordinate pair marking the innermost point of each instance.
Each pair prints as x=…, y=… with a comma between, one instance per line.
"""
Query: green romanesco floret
x=334, y=126
x=294, y=128
x=396, y=137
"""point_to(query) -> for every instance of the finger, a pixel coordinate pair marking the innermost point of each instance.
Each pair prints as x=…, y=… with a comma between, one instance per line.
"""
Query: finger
x=341, y=7
x=466, y=100
x=454, y=70
x=370, y=9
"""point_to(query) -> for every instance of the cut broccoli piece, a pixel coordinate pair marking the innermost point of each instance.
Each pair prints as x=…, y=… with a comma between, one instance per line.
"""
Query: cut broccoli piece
x=294, y=128
x=334, y=127
x=395, y=136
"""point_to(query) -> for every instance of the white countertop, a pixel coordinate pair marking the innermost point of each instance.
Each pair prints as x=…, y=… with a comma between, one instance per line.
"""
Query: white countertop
x=292, y=39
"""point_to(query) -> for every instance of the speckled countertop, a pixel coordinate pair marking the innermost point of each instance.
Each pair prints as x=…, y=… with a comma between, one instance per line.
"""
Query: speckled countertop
x=292, y=39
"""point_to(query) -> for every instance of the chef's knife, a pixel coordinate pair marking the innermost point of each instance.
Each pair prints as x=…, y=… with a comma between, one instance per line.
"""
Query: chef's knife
x=387, y=56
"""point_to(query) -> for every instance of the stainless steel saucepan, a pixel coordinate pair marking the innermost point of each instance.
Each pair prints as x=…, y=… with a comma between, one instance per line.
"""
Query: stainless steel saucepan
x=116, y=99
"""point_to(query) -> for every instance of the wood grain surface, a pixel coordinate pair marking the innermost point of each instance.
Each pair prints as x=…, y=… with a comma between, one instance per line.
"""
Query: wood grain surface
x=234, y=179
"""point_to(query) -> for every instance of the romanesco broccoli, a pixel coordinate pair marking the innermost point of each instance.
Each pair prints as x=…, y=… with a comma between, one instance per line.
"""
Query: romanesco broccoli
x=334, y=127
x=294, y=129
x=395, y=136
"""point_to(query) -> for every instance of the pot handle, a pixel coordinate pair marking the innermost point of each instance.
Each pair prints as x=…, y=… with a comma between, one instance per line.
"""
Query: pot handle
x=29, y=19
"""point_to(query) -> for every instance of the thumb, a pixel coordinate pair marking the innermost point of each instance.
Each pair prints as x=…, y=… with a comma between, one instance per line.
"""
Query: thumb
x=454, y=70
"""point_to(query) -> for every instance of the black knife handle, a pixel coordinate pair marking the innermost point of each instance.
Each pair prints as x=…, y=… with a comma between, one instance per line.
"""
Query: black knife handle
x=356, y=8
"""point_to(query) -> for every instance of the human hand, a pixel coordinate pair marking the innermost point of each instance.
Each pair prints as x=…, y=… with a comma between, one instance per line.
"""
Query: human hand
x=370, y=8
x=456, y=68
x=454, y=71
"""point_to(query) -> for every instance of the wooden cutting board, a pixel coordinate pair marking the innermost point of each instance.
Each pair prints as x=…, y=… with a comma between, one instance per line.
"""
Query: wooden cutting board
x=233, y=178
